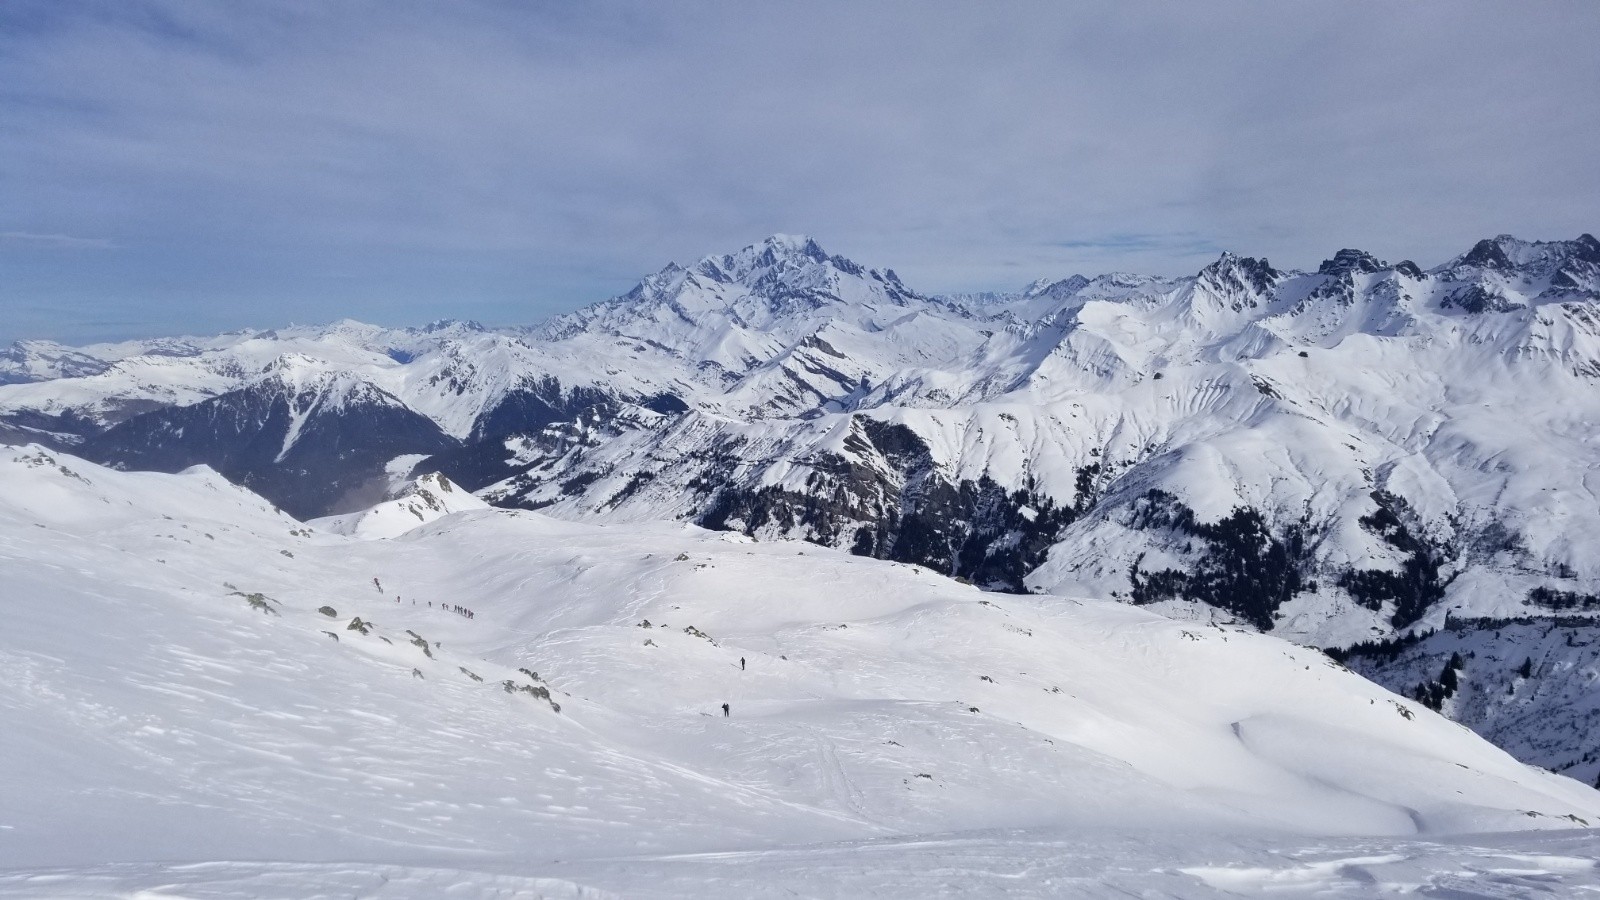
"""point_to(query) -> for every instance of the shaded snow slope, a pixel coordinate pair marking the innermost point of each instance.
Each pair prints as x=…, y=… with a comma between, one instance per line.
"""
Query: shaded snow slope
x=167, y=664
x=1527, y=683
x=313, y=440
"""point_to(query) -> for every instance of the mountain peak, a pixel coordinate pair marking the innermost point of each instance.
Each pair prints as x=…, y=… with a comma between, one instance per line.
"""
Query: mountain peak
x=780, y=251
x=1588, y=247
x=784, y=266
x=1508, y=253
x=1065, y=287
x=1240, y=272
x=301, y=378
x=795, y=244
x=1349, y=260
x=1489, y=253
x=452, y=325
x=781, y=275
x=429, y=497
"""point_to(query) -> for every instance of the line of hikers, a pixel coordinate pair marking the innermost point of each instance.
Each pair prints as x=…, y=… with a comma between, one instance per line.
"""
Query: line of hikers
x=457, y=609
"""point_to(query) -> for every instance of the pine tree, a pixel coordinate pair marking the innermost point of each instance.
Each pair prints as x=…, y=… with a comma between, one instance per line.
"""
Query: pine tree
x=1527, y=668
x=1447, y=681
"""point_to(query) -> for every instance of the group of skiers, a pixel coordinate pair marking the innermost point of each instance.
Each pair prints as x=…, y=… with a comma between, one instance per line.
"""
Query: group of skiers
x=455, y=608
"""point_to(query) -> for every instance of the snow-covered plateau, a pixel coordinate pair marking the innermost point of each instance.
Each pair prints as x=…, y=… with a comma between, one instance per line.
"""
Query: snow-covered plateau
x=204, y=697
x=1101, y=512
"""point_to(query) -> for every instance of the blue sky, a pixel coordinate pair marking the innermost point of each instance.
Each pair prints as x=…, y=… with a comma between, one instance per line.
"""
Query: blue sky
x=196, y=166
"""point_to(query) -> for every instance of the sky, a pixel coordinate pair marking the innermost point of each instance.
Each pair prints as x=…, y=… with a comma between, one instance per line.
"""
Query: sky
x=190, y=167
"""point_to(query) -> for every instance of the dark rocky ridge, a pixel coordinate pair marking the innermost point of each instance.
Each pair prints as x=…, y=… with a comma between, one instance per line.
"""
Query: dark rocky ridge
x=335, y=464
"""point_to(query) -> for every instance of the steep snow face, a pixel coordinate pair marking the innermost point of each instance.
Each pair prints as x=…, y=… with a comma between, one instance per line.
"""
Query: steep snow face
x=182, y=656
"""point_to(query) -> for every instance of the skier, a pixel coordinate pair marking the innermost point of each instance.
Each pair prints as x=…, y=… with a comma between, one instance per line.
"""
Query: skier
x=741, y=664
x=724, y=710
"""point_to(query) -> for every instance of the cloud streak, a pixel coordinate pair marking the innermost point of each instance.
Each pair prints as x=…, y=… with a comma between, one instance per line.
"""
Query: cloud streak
x=62, y=241
x=508, y=160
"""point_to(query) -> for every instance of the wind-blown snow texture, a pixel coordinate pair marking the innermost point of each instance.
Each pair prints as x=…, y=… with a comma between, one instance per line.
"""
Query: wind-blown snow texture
x=1337, y=456
x=192, y=678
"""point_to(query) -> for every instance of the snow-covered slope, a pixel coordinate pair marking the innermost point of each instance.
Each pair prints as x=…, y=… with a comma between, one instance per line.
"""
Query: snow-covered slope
x=182, y=656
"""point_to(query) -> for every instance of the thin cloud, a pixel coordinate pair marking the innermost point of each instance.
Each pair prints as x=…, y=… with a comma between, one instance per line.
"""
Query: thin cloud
x=63, y=241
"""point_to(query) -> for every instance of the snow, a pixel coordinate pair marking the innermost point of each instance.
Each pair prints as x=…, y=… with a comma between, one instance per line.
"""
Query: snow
x=430, y=497
x=893, y=733
x=972, y=864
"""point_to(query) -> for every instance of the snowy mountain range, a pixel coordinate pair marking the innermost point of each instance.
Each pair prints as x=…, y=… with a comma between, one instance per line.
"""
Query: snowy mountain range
x=1366, y=453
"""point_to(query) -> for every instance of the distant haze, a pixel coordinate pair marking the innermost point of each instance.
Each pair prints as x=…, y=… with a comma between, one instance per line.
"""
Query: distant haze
x=176, y=166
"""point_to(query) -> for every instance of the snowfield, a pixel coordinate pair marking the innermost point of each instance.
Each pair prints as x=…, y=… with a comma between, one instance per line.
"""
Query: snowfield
x=203, y=697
